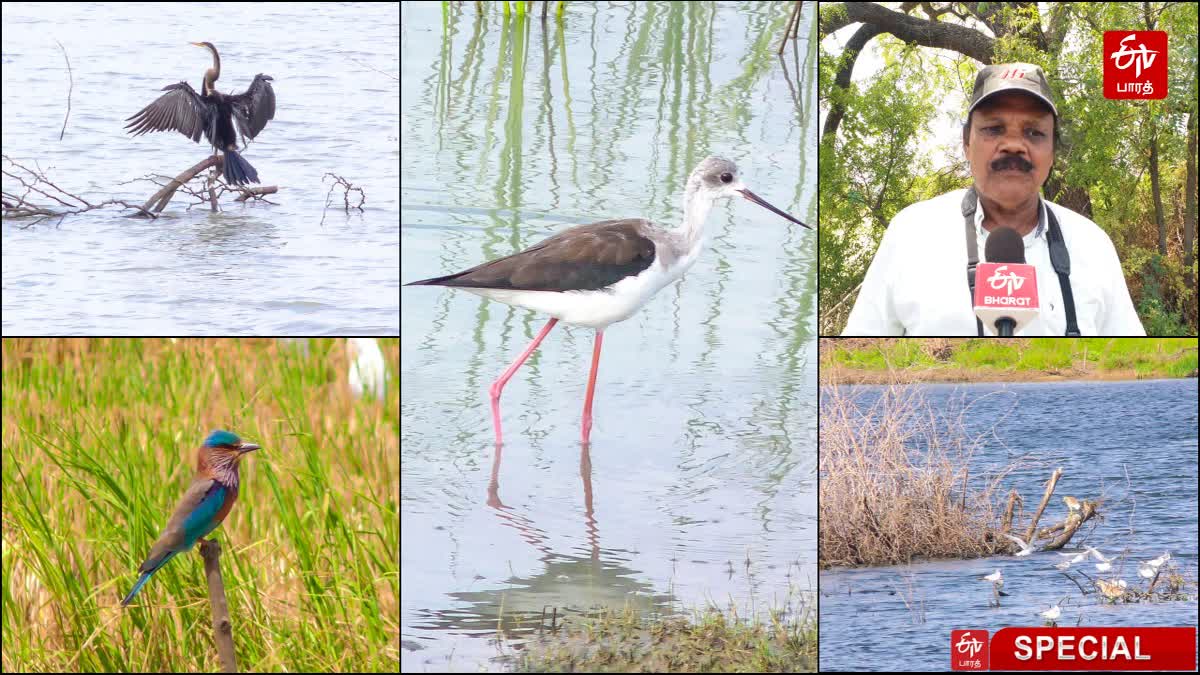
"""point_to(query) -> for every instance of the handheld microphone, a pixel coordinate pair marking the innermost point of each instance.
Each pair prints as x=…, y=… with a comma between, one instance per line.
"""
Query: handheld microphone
x=1005, y=287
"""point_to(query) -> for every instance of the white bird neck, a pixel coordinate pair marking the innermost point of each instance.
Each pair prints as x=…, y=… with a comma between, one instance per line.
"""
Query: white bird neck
x=695, y=211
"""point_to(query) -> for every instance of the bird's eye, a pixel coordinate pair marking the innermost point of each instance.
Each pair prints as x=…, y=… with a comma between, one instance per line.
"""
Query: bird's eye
x=726, y=177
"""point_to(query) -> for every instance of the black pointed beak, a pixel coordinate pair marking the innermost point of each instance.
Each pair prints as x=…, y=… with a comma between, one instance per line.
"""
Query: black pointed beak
x=763, y=203
x=247, y=447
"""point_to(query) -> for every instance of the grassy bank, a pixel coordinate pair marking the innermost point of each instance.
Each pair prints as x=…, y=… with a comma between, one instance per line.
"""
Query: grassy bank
x=911, y=360
x=711, y=641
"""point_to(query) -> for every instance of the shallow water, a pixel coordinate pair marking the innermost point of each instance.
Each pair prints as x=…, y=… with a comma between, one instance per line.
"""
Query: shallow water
x=700, y=485
x=1132, y=442
x=294, y=266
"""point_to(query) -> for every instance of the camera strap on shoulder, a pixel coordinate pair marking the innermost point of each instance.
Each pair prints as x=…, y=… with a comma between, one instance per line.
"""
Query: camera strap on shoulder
x=1059, y=258
x=968, y=211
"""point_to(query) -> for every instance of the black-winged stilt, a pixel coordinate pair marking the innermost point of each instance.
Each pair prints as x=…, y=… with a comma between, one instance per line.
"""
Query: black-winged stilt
x=598, y=274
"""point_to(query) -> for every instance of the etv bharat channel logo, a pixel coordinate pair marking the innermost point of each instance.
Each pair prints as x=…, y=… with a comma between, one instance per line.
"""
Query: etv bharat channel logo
x=1010, y=282
x=1135, y=64
x=970, y=650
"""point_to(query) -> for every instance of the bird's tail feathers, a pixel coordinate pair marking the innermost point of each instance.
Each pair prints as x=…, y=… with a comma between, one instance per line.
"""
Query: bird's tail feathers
x=147, y=569
x=137, y=587
x=237, y=170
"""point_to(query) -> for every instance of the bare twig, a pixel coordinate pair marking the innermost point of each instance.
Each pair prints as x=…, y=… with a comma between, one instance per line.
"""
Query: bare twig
x=346, y=205
x=71, y=76
x=209, y=194
x=34, y=181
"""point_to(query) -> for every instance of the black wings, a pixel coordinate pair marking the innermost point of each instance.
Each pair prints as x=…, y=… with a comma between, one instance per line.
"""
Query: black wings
x=180, y=109
x=582, y=258
x=255, y=107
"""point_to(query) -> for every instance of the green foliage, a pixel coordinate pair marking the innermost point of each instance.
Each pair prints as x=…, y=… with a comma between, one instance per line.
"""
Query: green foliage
x=1158, y=321
x=881, y=159
x=100, y=440
x=987, y=354
x=1164, y=279
x=884, y=356
x=1147, y=357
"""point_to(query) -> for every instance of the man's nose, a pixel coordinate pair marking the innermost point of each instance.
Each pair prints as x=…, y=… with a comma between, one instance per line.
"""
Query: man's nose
x=1013, y=142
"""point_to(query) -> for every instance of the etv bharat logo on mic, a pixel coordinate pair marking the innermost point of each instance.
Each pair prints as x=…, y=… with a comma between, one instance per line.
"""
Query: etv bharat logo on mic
x=1006, y=297
x=1061, y=649
x=1009, y=281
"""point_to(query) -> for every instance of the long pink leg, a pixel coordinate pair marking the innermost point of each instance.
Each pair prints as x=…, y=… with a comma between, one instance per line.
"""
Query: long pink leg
x=587, y=405
x=498, y=385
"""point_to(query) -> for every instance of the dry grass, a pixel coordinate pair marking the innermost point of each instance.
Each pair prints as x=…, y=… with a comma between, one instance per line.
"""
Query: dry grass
x=100, y=439
x=895, y=483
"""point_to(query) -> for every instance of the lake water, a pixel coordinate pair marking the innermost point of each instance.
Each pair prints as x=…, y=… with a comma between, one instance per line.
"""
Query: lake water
x=703, y=453
x=295, y=266
x=1134, y=443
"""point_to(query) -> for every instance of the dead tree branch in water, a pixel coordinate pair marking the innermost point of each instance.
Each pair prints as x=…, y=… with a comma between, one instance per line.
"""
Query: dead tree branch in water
x=20, y=202
x=347, y=189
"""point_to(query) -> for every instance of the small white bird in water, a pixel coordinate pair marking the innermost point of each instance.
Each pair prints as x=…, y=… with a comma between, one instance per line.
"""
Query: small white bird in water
x=1053, y=613
x=1105, y=564
x=1147, y=571
x=1026, y=549
x=1159, y=561
x=997, y=580
x=1075, y=558
x=1064, y=565
x=995, y=577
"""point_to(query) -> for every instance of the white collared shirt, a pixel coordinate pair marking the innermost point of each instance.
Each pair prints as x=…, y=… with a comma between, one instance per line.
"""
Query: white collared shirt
x=917, y=282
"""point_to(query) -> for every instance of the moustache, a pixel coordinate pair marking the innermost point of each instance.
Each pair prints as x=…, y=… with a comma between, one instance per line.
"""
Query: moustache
x=1012, y=162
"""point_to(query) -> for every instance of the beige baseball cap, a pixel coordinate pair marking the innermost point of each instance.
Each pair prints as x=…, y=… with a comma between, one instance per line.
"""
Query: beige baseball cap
x=1001, y=77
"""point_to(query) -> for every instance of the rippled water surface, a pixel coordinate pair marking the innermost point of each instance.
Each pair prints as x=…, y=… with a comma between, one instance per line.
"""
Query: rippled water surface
x=699, y=486
x=1133, y=443
x=291, y=266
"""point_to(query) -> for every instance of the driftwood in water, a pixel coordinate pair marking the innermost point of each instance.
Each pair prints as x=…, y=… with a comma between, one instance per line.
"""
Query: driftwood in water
x=1062, y=532
x=1078, y=512
x=1046, y=494
x=209, y=193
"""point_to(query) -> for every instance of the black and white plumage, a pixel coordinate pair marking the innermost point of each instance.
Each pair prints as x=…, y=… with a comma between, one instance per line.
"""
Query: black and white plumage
x=597, y=274
x=212, y=114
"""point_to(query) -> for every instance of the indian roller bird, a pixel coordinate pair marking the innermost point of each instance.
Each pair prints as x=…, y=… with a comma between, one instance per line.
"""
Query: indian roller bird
x=205, y=504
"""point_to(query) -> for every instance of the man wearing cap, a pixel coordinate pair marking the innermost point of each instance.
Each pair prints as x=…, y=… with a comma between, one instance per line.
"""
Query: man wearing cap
x=919, y=281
